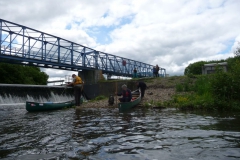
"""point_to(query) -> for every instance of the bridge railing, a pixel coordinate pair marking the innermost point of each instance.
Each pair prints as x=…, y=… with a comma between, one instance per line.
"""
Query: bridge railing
x=32, y=47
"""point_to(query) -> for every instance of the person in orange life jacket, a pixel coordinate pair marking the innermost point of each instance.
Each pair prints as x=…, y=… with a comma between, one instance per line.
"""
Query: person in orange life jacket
x=126, y=94
x=77, y=84
x=142, y=87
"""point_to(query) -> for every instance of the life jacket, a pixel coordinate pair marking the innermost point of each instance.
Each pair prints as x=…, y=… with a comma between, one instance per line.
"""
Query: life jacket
x=127, y=93
x=78, y=80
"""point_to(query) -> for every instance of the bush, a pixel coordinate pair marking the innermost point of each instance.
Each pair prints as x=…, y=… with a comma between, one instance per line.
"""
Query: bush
x=185, y=86
x=220, y=90
x=226, y=86
x=100, y=97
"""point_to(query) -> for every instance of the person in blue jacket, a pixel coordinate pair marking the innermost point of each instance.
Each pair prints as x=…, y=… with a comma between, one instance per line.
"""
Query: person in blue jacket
x=126, y=94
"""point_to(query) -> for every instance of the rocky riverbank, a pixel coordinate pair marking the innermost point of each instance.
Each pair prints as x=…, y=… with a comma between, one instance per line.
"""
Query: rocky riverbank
x=158, y=89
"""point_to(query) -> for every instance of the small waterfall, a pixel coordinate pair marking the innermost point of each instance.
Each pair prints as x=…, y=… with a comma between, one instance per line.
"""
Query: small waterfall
x=59, y=98
x=18, y=94
x=17, y=100
x=9, y=100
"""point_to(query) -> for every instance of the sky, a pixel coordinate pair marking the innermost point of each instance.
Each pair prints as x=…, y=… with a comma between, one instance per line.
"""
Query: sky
x=170, y=33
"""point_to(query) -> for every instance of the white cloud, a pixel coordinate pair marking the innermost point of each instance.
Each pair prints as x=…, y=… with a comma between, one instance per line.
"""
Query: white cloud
x=171, y=33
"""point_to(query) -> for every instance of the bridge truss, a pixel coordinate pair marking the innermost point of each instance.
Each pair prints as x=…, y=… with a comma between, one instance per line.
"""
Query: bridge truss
x=24, y=45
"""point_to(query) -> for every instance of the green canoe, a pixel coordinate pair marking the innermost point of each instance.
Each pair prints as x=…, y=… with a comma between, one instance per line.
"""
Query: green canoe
x=136, y=99
x=37, y=106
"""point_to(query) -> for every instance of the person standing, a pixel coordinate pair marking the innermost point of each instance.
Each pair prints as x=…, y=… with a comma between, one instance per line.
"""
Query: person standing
x=126, y=94
x=77, y=84
x=154, y=71
x=142, y=87
x=135, y=73
x=157, y=71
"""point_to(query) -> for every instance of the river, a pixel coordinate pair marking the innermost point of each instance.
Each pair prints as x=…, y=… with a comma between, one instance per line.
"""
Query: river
x=144, y=134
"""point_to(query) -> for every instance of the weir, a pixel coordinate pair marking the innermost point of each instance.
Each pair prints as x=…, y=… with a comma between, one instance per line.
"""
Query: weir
x=19, y=94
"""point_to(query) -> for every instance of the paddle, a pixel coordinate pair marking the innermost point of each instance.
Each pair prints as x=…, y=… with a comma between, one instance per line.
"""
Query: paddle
x=116, y=94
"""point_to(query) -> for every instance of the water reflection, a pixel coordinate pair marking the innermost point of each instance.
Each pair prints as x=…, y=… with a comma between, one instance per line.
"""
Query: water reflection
x=108, y=134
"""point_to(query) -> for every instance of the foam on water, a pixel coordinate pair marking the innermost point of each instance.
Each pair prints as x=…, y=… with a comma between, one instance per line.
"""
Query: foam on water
x=7, y=100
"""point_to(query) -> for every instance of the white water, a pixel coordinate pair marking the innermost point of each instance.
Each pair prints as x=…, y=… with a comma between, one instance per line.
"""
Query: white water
x=16, y=100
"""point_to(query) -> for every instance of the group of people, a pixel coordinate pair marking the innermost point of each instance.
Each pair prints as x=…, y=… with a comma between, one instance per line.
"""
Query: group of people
x=77, y=84
x=127, y=93
x=155, y=71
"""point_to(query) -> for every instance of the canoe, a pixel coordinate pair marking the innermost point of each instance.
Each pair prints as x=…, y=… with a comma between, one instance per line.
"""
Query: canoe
x=136, y=99
x=46, y=106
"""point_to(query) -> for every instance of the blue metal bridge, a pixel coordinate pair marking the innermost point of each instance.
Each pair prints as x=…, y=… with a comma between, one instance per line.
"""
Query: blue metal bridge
x=24, y=45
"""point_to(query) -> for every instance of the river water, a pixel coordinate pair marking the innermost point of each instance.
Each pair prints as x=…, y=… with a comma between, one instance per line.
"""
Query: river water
x=95, y=134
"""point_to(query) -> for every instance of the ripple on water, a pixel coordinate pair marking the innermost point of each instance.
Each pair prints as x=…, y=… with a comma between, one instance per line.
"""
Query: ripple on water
x=101, y=134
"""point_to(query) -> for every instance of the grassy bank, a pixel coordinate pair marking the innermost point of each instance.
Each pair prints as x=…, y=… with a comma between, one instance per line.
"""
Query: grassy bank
x=212, y=92
x=219, y=91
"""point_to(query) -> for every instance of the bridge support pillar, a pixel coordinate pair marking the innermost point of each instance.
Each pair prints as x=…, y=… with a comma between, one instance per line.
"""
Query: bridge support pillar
x=91, y=76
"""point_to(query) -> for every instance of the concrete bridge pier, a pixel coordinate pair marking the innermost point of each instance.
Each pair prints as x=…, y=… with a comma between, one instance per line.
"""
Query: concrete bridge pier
x=91, y=76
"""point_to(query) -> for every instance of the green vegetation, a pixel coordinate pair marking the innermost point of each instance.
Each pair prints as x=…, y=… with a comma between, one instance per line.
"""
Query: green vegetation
x=101, y=97
x=218, y=91
x=20, y=74
x=196, y=68
x=237, y=51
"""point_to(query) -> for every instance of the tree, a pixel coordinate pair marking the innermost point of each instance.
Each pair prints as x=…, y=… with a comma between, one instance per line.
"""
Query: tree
x=20, y=74
x=194, y=68
x=237, y=51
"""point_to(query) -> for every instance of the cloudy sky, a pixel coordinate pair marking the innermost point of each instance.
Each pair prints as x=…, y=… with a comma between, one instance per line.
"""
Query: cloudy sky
x=170, y=33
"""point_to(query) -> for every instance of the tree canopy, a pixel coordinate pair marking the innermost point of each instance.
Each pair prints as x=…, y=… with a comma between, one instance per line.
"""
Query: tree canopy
x=196, y=68
x=21, y=74
x=237, y=51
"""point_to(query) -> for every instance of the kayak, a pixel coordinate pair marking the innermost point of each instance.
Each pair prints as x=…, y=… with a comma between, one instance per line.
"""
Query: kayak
x=136, y=99
x=46, y=106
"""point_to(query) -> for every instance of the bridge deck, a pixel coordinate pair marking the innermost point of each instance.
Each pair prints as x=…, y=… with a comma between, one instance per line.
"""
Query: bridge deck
x=24, y=45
